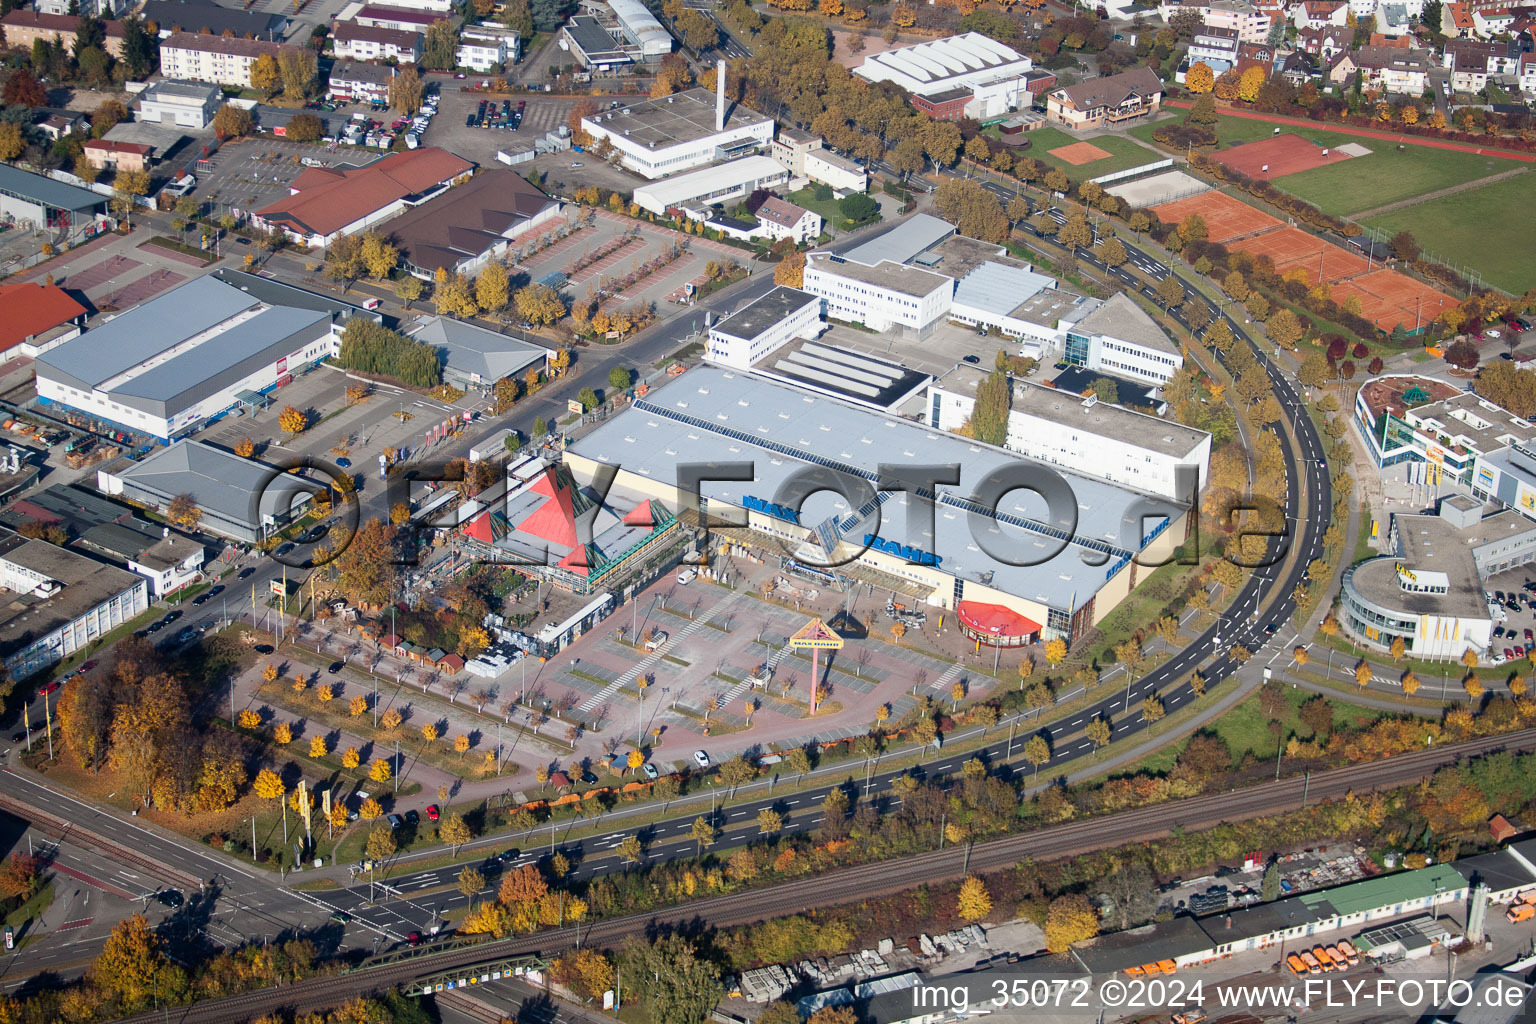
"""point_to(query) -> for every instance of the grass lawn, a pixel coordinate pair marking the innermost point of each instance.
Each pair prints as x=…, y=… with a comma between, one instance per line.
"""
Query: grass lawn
x=1488, y=228
x=1123, y=153
x=806, y=198
x=1366, y=182
x=1245, y=730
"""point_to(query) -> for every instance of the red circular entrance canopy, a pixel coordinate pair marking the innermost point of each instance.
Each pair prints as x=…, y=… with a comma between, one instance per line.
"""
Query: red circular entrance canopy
x=996, y=625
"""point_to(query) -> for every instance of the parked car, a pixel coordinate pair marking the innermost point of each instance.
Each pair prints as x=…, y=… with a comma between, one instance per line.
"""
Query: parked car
x=701, y=758
x=432, y=812
x=649, y=771
x=686, y=577
x=395, y=821
x=412, y=818
x=51, y=686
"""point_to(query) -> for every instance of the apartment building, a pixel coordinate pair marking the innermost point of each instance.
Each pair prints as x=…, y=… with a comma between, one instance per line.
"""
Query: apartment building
x=218, y=59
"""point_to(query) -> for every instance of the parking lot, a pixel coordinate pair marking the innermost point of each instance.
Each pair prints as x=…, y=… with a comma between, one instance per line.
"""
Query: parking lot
x=542, y=114
x=1518, y=628
x=247, y=174
x=622, y=258
x=937, y=354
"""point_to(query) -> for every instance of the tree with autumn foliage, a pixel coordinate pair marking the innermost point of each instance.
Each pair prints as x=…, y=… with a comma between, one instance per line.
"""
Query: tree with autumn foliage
x=1199, y=78
x=366, y=572
x=790, y=271
x=294, y=421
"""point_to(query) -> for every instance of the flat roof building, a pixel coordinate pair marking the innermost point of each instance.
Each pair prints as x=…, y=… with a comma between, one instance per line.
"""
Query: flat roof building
x=708, y=185
x=58, y=602
x=593, y=46
x=465, y=228
x=1083, y=435
x=244, y=499
x=642, y=29
x=52, y=205
x=183, y=104
x=1079, y=556
x=186, y=357
x=174, y=16
x=1120, y=337
x=1428, y=591
x=658, y=137
x=763, y=325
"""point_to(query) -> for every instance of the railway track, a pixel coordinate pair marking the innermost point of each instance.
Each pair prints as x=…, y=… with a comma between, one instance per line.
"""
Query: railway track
x=878, y=879
x=76, y=835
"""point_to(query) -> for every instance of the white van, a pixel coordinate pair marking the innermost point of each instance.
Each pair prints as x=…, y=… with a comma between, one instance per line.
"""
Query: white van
x=370, y=303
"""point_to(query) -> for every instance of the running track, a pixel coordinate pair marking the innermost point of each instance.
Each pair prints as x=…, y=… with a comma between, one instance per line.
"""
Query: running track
x=1344, y=129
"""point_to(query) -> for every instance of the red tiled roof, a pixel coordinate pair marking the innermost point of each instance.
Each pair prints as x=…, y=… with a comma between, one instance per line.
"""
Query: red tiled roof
x=30, y=308
x=1460, y=16
x=119, y=147
x=55, y=22
x=203, y=43
x=327, y=200
x=349, y=31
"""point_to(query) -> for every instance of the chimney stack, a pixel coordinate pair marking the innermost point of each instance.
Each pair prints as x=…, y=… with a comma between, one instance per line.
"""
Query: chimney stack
x=720, y=96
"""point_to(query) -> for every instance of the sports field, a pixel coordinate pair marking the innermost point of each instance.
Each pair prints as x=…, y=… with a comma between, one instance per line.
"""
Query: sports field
x=1387, y=298
x=1122, y=153
x=1489, y=228
x=1283, y=154
x=1363, y=183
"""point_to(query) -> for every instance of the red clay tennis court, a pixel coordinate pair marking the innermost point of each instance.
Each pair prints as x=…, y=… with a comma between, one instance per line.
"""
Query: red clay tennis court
x=1224, y=216
x=1282, y=154
x=1388, y=298
x=1293, y=249
x=1079, y=153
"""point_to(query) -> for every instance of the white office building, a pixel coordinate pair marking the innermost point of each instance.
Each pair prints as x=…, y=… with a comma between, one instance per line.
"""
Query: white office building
x=1120, y=338
x=658, y=137
x=183, y=104
x=729, y=180
x=763, y=326
x=57, y=602
x=1083, y=435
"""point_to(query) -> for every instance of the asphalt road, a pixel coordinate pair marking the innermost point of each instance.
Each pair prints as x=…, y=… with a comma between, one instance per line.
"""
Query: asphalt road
x=255, y=906
x=850, y=884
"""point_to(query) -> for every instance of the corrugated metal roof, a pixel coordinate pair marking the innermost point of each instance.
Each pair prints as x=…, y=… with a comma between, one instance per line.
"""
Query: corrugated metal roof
x=145, y=331
x=999, y=288
x=902, y=242
x=47, y=191
x=1374, y=894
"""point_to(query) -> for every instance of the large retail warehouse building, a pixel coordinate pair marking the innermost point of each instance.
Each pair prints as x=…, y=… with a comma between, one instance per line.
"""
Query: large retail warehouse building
x=967, y=562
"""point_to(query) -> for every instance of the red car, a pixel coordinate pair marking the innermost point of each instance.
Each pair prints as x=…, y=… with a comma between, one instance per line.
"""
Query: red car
x=50, y=687
x=1509, y=655
x=1519, y=652
x=432, y=812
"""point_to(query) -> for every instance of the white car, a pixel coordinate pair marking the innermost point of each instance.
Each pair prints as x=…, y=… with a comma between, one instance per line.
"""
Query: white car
x=701, y=759
x=686, y=577
x=1495, y=333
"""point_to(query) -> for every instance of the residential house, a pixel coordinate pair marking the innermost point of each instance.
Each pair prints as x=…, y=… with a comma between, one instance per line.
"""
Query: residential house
x=357, y=82
x=1393, y=21
x=487, y=47
x=57, y=125
x=1527, y=74
x=23, y=28
x=1324, y=42
x=398, y=18
x=1488, y=23
x=219, y=59
x=117, y=156
x=1216, y=48
x=1298, y=67
x=355, y=41
x=1456, y=21
x=1313, y=14
x=1112, y=99
x=1251, y=23
x=779, y=218
x=1471, y=61
x=1402, y=72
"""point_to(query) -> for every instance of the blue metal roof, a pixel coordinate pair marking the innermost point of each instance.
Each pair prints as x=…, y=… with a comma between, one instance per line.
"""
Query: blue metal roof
x=57, y=194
